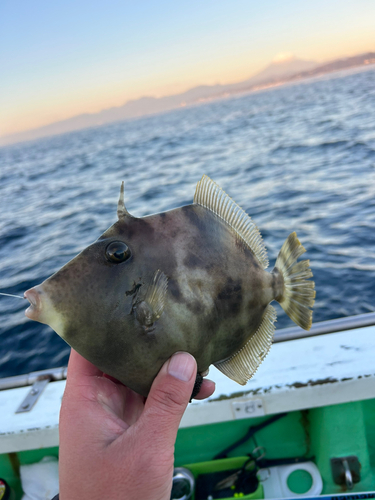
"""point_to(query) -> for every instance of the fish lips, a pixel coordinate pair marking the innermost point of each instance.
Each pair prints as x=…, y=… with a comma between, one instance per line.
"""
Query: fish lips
x=42, y=309
x=35, y=308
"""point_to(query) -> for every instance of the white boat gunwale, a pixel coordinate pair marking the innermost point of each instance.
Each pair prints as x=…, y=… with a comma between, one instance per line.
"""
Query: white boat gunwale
x=319, y=370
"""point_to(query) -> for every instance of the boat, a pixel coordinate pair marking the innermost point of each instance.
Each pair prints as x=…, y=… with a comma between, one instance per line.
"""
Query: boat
x=305, y=422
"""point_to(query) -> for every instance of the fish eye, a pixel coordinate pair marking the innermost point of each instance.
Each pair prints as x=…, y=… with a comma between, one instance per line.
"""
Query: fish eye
x=117, y=252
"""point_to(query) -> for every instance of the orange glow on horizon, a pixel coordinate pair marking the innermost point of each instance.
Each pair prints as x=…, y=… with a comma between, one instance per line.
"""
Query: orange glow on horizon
x=66, y=103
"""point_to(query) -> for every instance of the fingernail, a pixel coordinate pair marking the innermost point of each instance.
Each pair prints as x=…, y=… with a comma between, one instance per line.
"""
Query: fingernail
x=182, y=366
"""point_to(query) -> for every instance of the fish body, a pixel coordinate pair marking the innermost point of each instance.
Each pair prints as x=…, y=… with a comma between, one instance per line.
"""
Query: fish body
x=191, y=279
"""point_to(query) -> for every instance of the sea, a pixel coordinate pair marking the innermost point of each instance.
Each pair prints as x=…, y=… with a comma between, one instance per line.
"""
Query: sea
x=298, y=157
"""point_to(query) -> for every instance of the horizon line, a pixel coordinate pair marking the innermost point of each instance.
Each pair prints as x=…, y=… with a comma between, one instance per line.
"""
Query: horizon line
x=12, y=139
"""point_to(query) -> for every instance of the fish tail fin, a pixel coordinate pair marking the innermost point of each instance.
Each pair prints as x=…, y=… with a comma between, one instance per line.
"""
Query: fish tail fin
x=298, y=294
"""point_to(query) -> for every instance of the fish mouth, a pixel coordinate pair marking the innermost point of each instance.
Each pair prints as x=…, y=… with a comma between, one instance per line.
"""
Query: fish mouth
x=42, y=309
x=35, y=308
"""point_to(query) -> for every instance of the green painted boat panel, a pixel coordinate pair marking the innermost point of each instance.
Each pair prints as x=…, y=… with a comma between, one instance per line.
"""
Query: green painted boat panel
x=340, y=431
x=369, y=421
x=223, y=465
x=286, y=438
x=327, y=432
x=10, y=463
x=299, y=481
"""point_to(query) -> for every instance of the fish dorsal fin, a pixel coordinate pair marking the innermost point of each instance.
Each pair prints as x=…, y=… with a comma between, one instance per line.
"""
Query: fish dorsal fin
x=209, y=195
x=121, y=209
x=241, y=366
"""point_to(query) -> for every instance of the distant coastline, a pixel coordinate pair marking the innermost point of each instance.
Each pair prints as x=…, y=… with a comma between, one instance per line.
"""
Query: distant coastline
x=276, y=74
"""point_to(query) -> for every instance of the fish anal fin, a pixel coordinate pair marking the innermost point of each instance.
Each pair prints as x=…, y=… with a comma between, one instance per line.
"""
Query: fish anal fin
x=241, y=366
x=151, y=307
x=209, y=195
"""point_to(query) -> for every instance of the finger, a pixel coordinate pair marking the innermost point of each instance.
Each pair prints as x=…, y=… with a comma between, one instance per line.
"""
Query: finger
x=79, y=367
x=207, y=389
x=167, y=400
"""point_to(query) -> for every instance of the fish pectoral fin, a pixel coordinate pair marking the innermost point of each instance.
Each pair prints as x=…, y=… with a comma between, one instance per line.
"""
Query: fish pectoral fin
x=144, y=314
x=241, y=366
x=151, y=307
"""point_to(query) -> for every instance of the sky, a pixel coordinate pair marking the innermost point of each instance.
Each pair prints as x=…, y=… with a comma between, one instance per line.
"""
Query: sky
x=59, y=58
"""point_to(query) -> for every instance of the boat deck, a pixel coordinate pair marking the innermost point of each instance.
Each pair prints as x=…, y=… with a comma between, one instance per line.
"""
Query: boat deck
x=325, y=384
x=296, y=375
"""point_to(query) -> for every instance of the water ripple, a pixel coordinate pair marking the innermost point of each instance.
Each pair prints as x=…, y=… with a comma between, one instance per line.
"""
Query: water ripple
x=299, y=157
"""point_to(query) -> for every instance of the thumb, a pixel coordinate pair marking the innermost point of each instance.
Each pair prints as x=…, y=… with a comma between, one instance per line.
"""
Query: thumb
x=168, y=398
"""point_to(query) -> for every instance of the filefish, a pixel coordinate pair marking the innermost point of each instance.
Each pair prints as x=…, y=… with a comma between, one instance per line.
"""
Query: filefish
x=190, y=279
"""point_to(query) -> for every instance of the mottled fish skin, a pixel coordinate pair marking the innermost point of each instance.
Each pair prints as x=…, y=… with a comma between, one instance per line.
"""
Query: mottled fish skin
x=216, y=297
x=191, y=279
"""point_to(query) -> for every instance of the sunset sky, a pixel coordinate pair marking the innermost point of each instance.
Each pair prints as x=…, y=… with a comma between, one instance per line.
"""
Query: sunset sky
x=63, y=58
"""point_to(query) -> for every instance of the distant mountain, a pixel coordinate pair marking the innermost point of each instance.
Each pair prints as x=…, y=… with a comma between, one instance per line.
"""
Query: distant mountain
x=280, y=71
x=337, y=65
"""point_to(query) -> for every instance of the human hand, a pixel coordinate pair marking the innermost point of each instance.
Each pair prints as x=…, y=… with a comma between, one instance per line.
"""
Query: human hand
x=115, y=444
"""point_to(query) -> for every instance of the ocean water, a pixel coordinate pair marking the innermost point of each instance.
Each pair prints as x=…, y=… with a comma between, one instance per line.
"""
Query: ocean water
x=296, y=158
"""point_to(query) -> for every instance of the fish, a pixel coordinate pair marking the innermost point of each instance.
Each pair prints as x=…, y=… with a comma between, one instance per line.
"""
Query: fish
x=190, y=279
